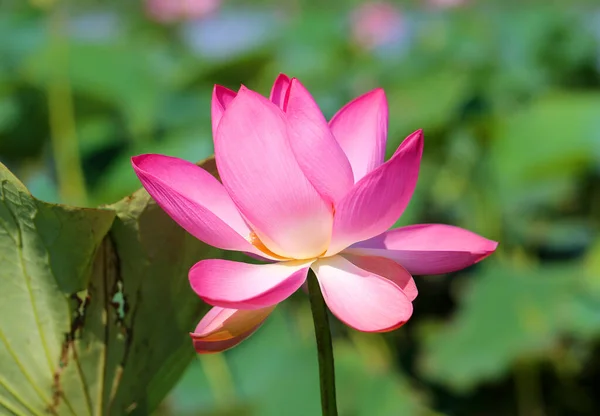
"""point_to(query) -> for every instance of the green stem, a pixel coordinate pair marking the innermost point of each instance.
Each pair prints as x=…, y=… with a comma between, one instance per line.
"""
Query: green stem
x=529, y=394
x=63, y=132
x=324, y=347
x=219, y=378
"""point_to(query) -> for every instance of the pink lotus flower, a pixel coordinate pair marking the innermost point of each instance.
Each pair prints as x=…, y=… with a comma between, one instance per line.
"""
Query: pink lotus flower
x=172, y=10
x=304, y=193
x=378, y=24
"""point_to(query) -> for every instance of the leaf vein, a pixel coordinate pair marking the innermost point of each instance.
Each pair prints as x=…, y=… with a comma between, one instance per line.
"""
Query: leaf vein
x=38, y=390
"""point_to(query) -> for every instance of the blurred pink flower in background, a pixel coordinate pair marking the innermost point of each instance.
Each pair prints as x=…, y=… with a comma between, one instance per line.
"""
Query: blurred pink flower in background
x=442, y=4
x=304, y=193
x=377, y=24
x=167, y=11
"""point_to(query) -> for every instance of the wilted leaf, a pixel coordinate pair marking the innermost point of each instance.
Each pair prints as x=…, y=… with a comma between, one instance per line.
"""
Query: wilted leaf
x=94, y=322
x=46, y=253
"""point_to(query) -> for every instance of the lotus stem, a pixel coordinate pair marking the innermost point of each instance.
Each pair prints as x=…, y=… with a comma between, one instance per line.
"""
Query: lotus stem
x=63, y=131
x=324, y=347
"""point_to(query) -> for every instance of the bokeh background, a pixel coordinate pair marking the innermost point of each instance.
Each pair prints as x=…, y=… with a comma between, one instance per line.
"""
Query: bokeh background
x=508, y=94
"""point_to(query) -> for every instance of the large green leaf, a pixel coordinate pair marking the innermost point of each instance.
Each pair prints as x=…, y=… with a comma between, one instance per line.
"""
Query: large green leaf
x=511, y=314
x=96, y=305
x=421, y=105
x=120, y=74
x=538, y=151
x=46, y=255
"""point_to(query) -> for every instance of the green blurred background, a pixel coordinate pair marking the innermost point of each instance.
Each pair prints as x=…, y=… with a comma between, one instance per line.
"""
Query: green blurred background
x=508, y=94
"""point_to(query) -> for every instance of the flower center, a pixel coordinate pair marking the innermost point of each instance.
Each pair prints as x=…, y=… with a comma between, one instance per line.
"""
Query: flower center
x=256, y=242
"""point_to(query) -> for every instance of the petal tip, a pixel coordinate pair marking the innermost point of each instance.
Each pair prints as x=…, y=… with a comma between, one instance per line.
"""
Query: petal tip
x=378, y=93
x=223, y=94
x=283, y=77
x=493, y=246
x=415, y=140
x=295, y=85
x=375, y=98
x=488, y=251
x=404, y=320
x=222, y=329
x=246, y=93
x=417, y=135
x=401, y=323
x=134, y=160
x=139, y=160
x=280, y=91
x=388, y=329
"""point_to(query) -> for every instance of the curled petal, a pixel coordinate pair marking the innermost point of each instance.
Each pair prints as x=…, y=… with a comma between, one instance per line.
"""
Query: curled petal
x=221, y=98
x=360, y=128
x=280, y=90
x=376, y=202
x=428, y=248
x=259, y=171
x=230, y=284
x=359, y=298
x=386, y=268
x=223, y=328
x=318, y=153
x=195, y=200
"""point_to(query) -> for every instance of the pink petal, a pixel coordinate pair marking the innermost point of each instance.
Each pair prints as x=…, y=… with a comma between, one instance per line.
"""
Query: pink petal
x=195, y=200
x=280, y=90
x=428, y=248
x=318, y=153
x=359, y=298
x=221, y=99
x=360, y=128
x=259, y=170
x=386, y=268
x=230, y=284
x=376, y=202
x=222, y=328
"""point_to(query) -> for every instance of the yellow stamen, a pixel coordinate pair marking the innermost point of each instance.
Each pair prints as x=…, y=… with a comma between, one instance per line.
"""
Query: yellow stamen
x=255, y=241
